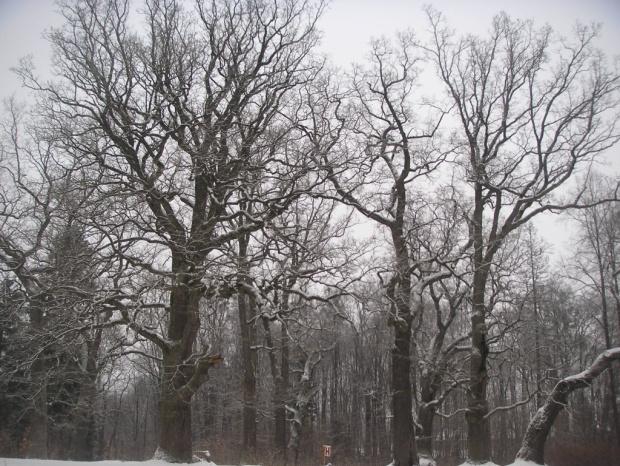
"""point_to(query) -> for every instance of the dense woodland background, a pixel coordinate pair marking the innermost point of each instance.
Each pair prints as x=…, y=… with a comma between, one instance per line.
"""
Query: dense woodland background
x=210, y=239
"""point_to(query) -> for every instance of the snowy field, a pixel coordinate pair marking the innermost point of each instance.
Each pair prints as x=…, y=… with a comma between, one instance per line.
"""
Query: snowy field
x=33, y=462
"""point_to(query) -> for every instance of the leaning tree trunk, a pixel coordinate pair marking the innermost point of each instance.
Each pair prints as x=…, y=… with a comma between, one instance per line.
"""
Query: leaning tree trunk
x=533, y=445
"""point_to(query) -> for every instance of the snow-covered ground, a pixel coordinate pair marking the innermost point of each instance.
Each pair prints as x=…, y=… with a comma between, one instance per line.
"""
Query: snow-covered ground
x=32, y=462
x=516, y=463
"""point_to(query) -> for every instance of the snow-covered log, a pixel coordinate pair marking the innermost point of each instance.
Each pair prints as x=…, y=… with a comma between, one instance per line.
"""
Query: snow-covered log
x=533, y=445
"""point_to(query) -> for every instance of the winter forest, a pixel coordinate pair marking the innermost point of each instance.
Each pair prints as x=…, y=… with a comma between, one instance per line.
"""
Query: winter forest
x=212, y=238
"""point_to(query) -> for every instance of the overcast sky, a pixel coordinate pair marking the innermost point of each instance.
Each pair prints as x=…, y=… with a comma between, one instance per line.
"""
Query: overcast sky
x=347, y=27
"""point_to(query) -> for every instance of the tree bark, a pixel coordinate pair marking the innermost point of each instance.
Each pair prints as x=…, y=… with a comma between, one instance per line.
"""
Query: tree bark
x=85, y=437
x=175, y=428
x=402, y=431
x=478, y=434
x=282, y=383
x=38, y=428
x=248, y=358
x=533, y=445
x=181, y=373
x=426, y=416
x=403, y=434
x=85, y=424
x=299, y=408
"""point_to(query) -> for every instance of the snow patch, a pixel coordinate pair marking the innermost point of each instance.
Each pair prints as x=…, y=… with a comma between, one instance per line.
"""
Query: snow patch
x=427, y=461
x=469, y=463
x=34, y=462
x=523, y=463
x=424, y=461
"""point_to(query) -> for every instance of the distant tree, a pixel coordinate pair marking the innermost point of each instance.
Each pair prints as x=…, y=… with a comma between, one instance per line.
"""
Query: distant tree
x=31, y=176
x=596, y=266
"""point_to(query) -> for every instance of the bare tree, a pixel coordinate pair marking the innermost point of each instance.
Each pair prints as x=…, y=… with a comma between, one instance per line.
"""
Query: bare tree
x=182, y=119
x=596, y=266
x=389, y=149
x=530, y=110
x=31, y=175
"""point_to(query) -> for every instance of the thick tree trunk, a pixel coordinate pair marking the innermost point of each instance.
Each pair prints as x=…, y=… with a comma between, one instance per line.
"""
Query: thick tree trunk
x=37, y=432
x=245, y=305
x=478, y=433
x=175, y=428
x=298, y=410
x=533, y=445
x=181, y=372
x=403, y=434
x=248, y=358
x=85, y=436
x=38, y=426
x=280, y=420
x=368, y=417
x=85, y=431
x=280, y=377
x=403, y=437
x=335, y=393
x=426, y=416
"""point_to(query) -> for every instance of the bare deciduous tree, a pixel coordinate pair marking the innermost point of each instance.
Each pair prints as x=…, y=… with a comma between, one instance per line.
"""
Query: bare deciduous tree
x=183, y=120
x=530, y=110
x=389, y=148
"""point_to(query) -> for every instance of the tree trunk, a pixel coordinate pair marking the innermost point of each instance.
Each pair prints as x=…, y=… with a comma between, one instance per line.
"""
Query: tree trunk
x=37, y=444
x=298, y=410
x=38, y=428
x=85, y=424
x=181, y=373
x=280, y=377
x=245, y=305
x=280, y=420
x=248, y=358
x=533, y=445
x=368, y=415
x=175, y=427
x=85, y=436
x=403, y=434
x=478, y=434
x=426, y=416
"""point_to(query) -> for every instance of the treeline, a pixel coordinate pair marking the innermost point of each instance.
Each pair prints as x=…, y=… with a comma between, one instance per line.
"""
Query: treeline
x=210, y=240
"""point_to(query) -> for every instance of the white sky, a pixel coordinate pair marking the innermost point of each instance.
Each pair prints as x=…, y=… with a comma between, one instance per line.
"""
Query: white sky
x=348, y=26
